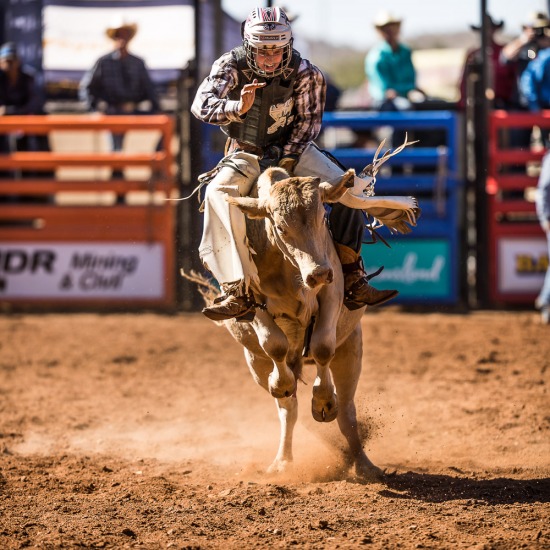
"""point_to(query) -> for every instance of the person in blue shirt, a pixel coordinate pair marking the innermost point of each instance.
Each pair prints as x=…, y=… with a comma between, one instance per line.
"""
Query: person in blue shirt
x=520, y=51
x=389, y=68
x=535, y=79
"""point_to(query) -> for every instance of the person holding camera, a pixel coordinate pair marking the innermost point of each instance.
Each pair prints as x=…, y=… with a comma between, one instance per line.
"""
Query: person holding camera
x=534, y=84
x=520, y=51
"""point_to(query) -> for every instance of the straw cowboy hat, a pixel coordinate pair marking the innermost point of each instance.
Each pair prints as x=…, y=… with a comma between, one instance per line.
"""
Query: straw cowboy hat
x=384, y=18
x=537, y=20
x=119, y=25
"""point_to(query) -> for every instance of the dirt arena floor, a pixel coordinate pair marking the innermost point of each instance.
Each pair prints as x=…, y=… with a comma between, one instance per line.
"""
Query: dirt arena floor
x=147, y=431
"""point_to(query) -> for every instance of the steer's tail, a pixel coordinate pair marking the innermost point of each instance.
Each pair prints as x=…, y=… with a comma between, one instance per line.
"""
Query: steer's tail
x=207, y=289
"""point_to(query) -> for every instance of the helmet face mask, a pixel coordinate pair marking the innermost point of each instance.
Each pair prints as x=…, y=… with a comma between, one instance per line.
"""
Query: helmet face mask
x=267, y=38
x=263, y=60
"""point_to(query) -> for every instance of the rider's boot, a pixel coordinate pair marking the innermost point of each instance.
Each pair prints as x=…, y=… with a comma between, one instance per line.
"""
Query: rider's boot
x=358, y=292
x=234, y=303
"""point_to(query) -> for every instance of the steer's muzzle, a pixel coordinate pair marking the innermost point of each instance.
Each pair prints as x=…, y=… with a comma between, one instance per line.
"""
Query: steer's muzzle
x=320, y=276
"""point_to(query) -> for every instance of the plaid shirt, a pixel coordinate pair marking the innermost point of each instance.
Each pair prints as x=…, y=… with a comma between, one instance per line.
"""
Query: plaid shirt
x=116, y=81
x=212, y=105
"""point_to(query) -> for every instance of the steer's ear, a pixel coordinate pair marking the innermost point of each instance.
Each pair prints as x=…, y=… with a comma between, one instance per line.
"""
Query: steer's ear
x=251, y=207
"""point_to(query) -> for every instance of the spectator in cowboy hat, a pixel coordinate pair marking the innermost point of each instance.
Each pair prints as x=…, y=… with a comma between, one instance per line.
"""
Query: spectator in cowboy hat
x=390, y=73
x=389, y=68
x=119, y=82
x=502, y=77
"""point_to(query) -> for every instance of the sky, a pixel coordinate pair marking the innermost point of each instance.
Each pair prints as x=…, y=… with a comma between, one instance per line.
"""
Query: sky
x=349, y=22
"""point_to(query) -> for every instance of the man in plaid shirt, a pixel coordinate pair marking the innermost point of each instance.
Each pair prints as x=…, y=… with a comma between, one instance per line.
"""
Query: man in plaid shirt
x=269, y=101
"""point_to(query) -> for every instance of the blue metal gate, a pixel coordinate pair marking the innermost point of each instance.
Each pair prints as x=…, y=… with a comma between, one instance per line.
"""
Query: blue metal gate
x=425, y=265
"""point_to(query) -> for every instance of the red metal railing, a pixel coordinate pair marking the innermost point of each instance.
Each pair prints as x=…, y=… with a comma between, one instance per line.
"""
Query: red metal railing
x=27, y=224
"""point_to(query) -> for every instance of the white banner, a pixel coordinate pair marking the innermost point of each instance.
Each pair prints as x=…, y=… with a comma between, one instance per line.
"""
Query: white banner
x=74, y=37
x=81, y=270
x=521, y=265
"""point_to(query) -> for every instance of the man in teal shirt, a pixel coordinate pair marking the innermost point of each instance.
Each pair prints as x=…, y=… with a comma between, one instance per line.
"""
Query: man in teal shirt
x=389, y=68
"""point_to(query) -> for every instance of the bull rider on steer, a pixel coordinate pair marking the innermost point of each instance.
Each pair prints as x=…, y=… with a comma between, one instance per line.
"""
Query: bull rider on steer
x=270, y=101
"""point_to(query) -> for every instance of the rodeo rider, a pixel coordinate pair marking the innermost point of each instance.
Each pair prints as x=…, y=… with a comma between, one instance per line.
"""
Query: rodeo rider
x=269, y=101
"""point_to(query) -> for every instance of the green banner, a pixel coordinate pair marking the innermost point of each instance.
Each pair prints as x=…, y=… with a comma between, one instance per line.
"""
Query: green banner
x=417, y=268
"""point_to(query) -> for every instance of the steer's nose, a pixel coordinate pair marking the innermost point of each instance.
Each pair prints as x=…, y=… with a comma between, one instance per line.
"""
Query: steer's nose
x=320, y=276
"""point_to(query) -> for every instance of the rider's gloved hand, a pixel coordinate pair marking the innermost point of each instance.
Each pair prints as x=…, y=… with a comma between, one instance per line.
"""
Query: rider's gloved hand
x=288, y=163
x=248, y=94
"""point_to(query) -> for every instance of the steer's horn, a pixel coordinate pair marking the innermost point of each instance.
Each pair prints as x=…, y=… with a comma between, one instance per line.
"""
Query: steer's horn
x=372, y=169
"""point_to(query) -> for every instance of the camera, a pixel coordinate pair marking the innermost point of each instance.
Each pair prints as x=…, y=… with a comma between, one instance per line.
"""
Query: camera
x=540, y=31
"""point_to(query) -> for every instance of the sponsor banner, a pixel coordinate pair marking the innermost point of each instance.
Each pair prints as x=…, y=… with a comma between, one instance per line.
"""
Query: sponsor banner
x=417, y=268
x=521, y=265
x=81, y=270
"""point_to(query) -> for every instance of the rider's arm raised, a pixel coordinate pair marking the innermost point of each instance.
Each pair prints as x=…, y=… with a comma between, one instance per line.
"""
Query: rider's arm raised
x=212, y=104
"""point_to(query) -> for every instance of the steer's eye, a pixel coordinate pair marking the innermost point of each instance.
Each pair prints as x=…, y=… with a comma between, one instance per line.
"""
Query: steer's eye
x=281, y=229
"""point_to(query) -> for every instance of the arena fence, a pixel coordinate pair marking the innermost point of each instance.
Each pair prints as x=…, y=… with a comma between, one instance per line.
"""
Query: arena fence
x=81, y=225
x=427, y=264
x=518, y=254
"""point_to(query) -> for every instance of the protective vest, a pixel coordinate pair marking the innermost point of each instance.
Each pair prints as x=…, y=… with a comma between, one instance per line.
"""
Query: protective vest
x=269, y=119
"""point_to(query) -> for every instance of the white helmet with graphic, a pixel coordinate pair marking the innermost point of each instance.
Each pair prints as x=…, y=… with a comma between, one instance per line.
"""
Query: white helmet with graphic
x=267, y=29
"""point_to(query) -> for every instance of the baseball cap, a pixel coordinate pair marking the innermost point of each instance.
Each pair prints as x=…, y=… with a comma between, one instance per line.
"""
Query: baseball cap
x=8, y=51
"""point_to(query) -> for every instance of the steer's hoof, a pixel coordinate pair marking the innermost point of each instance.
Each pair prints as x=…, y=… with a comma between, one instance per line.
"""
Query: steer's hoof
x=278, y=389
x=280, y=466
x=281, y=393
x=366, y=471
x=324, y=412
